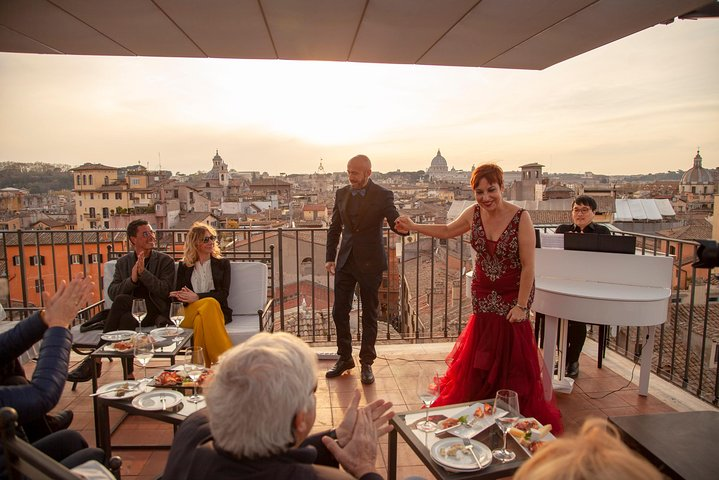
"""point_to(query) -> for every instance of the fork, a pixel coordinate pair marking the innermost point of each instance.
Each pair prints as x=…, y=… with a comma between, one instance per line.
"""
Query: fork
x=468, y=446
x=162, y=401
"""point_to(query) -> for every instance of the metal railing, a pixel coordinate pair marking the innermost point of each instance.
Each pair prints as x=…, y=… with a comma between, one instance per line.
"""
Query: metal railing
x=424, y=295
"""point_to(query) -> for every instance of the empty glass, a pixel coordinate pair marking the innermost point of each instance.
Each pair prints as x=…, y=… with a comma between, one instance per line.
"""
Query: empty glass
x=508, y=401
x=139, y=311
x=177, y=315
x=427, y=391
x=194, y=367
x=144, y=350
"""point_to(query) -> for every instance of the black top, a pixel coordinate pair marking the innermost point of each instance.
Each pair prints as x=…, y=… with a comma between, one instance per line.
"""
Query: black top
x=193, y=457
x=591, y=228
x=220, y=277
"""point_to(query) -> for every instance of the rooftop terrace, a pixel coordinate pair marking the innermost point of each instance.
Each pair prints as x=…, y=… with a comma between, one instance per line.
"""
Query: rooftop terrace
x=597, y=392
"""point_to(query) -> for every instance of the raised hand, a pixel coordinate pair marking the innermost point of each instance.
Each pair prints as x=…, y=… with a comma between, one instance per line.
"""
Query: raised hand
x=62, y=307
x=359, y=455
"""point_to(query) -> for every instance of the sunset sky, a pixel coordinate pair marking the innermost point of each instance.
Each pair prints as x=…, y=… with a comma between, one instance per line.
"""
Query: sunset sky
x=641, y=104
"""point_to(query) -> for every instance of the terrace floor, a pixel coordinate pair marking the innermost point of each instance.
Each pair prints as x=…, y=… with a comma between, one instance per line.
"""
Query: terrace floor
x=395, y=372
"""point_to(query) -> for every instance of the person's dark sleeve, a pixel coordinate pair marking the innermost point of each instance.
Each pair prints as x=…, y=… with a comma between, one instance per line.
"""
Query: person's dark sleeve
x=222, y=286
x=324, y=457
x=390, y=211
x=181, y=277
x=121, y=279
x=563, y=228
x=193, y=432
x=42, y=393
x=159, y=285
x=19, y=339
x=333, y=233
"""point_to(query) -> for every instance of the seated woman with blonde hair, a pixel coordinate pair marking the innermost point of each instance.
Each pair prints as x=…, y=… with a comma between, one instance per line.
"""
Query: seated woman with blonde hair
x=203, y=284
x=595, y=453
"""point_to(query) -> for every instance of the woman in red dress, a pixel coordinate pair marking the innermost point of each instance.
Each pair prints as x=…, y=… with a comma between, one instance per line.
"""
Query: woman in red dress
x=496, y=350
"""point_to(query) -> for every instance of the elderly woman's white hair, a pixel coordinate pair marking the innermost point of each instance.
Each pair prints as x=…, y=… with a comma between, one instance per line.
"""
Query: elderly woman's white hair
x=257, y=389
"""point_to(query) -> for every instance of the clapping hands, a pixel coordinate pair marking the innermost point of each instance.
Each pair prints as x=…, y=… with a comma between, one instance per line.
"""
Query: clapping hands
x=356, y=445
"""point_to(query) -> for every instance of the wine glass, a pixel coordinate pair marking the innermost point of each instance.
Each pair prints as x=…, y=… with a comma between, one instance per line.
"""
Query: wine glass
x=144, y=350
x=139, y=311
x=177, y=315
x=194, y=367
x=508, y=401
x=427, y=391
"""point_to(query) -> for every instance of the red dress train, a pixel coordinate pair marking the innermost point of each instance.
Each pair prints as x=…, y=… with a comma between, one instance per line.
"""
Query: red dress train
x=491, y=353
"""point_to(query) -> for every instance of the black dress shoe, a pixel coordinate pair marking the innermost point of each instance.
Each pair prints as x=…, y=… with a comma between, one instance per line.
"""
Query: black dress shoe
x=83, y=372
x=340, y=367
x=367, y=376
x=59, y=421
x=573, y=370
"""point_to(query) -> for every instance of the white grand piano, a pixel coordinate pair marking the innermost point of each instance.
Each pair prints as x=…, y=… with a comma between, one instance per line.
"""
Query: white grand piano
x=600, y=288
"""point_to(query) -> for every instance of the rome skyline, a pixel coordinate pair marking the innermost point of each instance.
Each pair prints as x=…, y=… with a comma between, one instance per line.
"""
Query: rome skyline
x=640, y=105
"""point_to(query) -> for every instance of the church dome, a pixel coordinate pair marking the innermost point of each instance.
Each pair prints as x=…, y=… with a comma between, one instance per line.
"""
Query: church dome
x=438, y=165
x=439, y=161
x=697, y=175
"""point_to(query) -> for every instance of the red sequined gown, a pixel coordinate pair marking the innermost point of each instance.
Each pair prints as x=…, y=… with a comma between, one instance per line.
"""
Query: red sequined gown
x=491, y=353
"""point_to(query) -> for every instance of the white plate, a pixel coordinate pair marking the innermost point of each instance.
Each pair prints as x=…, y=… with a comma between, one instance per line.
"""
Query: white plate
x=166, y=332
x=117, y=335
x=478, y=425
x=110, y=348
x=463, y=461
x=152, y=400
x=547, y=438
x=135, y=385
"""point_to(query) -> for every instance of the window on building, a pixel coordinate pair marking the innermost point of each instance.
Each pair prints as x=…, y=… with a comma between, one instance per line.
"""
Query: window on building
x=94, y=258
x=106, y=196
x=107, y=224
x=92, y=212
x=84, y=179
x=135, y=181
x=75, y=259
x=34, y=260
x=92, y=196
x=16, y=260
x=79, y=180
x=118, y=196
x=105, y=212
x=90, y=179
x=39, y=285
x=107, y=180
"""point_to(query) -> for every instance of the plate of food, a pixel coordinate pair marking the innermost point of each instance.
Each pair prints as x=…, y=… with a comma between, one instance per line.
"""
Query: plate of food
x=176, y=377
x=117, y=335
x=119, y=390
x=531, y=435
x=166, y=332
x=157, y=400
x=122, y=346
x=454, y=456
x=469, y=422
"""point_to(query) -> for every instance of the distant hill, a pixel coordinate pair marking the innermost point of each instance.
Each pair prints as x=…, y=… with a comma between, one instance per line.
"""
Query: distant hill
x=35, y=177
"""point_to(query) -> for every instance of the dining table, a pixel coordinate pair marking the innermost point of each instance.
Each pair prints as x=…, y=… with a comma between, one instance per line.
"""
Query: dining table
x=421, y=443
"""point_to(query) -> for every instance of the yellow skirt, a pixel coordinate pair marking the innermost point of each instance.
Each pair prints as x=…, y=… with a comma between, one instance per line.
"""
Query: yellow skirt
x=206, y=319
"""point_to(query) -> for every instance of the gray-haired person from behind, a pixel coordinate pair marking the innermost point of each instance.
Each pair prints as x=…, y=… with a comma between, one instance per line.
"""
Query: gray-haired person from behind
x=261, y=407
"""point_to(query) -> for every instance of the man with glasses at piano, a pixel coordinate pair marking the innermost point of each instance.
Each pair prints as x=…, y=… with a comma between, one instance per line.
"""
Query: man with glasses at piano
x=583, y=210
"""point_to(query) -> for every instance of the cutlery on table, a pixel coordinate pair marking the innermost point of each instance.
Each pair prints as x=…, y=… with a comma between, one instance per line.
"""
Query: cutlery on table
x=128, y=389
x=162, y=401
x=468, y=446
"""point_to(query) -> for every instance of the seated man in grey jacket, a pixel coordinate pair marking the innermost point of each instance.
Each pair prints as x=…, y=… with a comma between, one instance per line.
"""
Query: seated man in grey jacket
x=142, y=273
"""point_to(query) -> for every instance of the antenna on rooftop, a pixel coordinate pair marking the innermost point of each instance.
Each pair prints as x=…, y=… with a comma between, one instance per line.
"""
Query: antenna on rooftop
x=159, y=161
